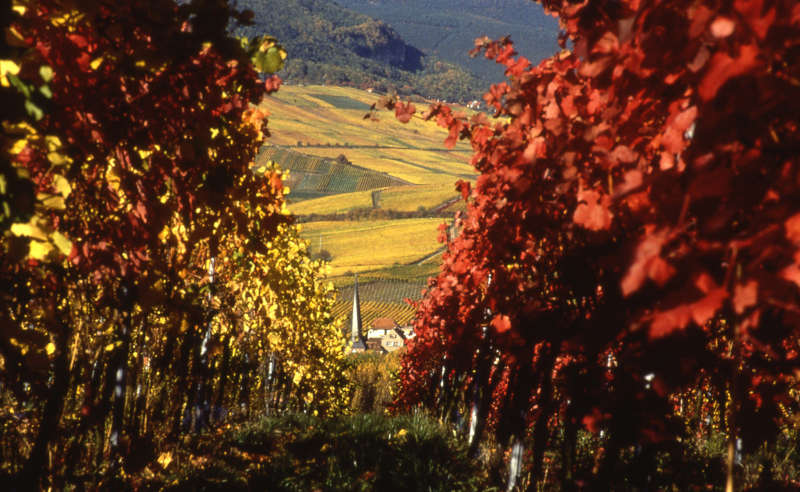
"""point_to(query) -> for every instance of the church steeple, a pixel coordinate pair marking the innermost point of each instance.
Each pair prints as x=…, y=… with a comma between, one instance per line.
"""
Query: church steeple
x=356, y=338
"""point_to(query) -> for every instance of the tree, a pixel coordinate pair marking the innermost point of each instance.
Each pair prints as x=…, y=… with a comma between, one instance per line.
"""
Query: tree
x=126, y=182
x=632, y=234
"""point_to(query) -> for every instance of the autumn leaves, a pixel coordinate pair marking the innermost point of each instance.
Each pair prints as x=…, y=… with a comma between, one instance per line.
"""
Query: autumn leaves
x=642, y=192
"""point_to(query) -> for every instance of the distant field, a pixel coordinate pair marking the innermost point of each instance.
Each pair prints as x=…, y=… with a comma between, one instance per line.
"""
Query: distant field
x=416, y=274
x=334, y=204
x=324, y=122
x=382, y=293
x=410, y=198
x=312, y=177
x=372, y=244
x=398, y=198
x=328, y=121
x=379, y=298
x=384, y=290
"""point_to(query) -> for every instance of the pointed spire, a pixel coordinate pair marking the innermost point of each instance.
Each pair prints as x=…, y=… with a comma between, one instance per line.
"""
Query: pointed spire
x=355, y=330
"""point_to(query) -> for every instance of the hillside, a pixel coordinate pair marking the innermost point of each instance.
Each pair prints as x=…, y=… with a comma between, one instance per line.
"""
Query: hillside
x=311, y=177
x=314, y=128
x=387, y=234
x=329, y=44
x=379, y=299
x=372, y=244
x=447, y=29
x=329, y=121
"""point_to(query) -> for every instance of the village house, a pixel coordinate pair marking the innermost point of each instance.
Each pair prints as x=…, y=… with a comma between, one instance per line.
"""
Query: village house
x=384, y=334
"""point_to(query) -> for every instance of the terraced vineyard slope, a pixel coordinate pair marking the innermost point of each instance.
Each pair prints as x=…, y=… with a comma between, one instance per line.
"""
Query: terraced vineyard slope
x=360, y=214
x=363, y=245
x=327, y=121
x=380, y=298
x=430, y=199
x=311, y=176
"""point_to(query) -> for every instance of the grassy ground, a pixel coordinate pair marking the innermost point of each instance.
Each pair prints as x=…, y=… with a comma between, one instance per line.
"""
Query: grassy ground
x=303, y=453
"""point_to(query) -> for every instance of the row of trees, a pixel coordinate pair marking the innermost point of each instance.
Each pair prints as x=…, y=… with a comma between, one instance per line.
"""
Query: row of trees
x=151, y=282
x=631, y=243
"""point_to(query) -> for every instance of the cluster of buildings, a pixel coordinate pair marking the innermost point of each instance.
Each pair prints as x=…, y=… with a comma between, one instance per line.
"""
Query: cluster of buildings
x=384, y=336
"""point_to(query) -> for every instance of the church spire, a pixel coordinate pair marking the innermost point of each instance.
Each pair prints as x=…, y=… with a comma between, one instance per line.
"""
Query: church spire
x=356, y=338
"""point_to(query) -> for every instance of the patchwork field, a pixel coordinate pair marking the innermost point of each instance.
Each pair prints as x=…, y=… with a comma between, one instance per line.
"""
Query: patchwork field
x=328, y=121
x=357, y=246
x=416, y=274
x=396, y=167
x=410, y=198
x=311, y=176
x=400, y=312
x=379, y=298
x=397, y=198
x=334, y=204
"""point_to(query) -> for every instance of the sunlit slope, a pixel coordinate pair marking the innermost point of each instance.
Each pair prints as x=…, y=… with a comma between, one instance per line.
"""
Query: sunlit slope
x=329, y=121
x=411, y=198
x=397, y=198
x=334, y=204
x=313, y=176
x=373, y=244
x=417, y=274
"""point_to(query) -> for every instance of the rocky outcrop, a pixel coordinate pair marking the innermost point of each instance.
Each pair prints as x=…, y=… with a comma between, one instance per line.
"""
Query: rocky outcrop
x=378, y=41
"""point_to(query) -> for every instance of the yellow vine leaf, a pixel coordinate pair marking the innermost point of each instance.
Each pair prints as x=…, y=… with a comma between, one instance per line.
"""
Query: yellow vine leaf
x=18, y=146
x=30, y=229
x=38, y=250
x=62, y=185
x=55, y=202
x=7, y=67
x=164, y=459
x=62, y=243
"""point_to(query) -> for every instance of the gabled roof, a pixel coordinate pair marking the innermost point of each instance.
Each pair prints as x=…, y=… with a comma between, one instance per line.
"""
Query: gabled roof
x=383, y=324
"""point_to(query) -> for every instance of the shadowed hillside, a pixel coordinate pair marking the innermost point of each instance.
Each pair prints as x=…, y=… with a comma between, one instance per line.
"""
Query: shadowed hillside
x=329, y=44
x=447, y=29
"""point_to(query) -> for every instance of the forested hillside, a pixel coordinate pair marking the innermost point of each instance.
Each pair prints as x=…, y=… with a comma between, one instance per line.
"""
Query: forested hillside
x=447, y=29
x=328, y=44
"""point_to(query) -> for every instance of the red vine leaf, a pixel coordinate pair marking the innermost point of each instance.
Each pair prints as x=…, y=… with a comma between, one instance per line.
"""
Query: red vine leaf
x=404, y=112
x=592, y=210
x=745, y=295
x=723, y=67
x=722, y=27
x=792, y=226
x=501, y=323
x=647, y=262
